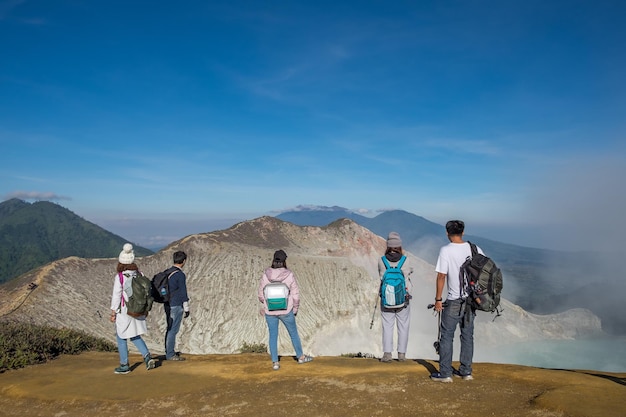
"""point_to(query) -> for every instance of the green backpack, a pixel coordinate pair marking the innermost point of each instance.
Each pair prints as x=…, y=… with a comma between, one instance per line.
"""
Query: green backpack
x=139, y=294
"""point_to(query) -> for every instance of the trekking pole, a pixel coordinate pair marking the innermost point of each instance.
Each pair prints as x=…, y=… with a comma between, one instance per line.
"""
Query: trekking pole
x=438, y=313
x=374, y=312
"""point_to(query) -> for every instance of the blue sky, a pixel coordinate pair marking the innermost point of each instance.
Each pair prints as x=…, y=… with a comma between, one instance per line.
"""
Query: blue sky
x=156, y=120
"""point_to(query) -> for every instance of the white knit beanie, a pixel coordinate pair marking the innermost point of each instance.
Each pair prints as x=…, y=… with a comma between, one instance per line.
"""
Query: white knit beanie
x=127, y=256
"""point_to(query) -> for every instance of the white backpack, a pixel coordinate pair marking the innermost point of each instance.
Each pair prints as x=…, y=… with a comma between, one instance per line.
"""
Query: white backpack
x=276, y=296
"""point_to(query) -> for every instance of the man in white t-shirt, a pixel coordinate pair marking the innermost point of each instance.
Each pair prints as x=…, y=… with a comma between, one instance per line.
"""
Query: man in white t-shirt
x=456, y=310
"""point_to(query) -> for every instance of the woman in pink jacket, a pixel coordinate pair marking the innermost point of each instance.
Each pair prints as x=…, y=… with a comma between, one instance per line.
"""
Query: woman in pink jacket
x=280, y=295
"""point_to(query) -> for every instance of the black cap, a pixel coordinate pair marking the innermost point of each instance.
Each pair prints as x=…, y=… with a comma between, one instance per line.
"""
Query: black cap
x=280, y=255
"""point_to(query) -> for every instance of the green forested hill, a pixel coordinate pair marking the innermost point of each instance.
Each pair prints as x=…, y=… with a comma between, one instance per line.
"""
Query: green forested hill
x=31, y=235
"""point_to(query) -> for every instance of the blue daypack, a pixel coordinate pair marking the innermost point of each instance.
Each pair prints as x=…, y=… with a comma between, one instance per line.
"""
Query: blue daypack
x=393, y=285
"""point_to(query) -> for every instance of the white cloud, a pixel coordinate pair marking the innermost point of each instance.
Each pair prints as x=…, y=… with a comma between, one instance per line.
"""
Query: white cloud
x=311, y=207
x=35, y=195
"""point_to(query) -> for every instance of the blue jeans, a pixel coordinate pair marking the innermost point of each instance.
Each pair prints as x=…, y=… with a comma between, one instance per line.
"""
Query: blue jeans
x=456, y=312
x=173, y=317
x=289, y=320
x=122, y=347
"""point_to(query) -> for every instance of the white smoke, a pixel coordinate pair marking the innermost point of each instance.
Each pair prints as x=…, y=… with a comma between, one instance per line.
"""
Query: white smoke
x=580, y=204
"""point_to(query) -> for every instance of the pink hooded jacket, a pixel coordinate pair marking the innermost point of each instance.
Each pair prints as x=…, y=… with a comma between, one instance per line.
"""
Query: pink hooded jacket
x=287, y=277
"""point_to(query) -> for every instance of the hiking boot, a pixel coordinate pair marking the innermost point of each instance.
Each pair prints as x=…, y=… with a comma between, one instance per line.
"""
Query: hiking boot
x=437, y=377
x=386, y=357
x=150, y=364
x=401, y=357
x=122, y=369
x=305, y=359
x=276, y=366
x=467, y=377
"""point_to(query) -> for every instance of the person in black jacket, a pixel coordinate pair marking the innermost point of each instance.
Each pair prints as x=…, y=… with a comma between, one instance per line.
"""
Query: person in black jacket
x=177, y=307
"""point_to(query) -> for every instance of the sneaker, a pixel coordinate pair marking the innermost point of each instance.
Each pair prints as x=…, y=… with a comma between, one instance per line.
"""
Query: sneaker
x=176, y=358
x=276, y=366
x=122, y=369
x=305, y=359
x=467, y=377
x=386, y=357
x=150, y=363
x=437, y=377
x=401, y=357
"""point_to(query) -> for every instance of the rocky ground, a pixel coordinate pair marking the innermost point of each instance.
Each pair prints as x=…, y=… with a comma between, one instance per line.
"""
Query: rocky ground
x=246, y=385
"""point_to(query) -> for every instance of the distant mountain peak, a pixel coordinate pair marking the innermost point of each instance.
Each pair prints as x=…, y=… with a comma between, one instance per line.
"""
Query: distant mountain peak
x=34, y=234
x=9, y=206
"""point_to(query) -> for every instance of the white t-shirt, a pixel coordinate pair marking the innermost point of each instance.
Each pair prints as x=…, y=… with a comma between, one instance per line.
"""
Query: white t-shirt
x=451, y=257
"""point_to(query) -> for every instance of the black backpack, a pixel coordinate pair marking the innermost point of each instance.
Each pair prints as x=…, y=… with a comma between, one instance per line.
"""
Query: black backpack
x=160, y=285
x=483, y=281
x=139, y=294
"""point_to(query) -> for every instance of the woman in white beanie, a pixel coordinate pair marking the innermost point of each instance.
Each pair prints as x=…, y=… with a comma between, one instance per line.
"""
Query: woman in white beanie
x=127, y=327
x=400, y=313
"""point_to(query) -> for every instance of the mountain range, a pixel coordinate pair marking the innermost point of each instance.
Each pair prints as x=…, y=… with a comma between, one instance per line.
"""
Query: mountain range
x=539, y=280
x=31, y=235
x=336, y=267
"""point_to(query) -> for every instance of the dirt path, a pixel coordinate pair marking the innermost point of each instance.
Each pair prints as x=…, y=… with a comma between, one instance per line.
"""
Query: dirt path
x=245, y=385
